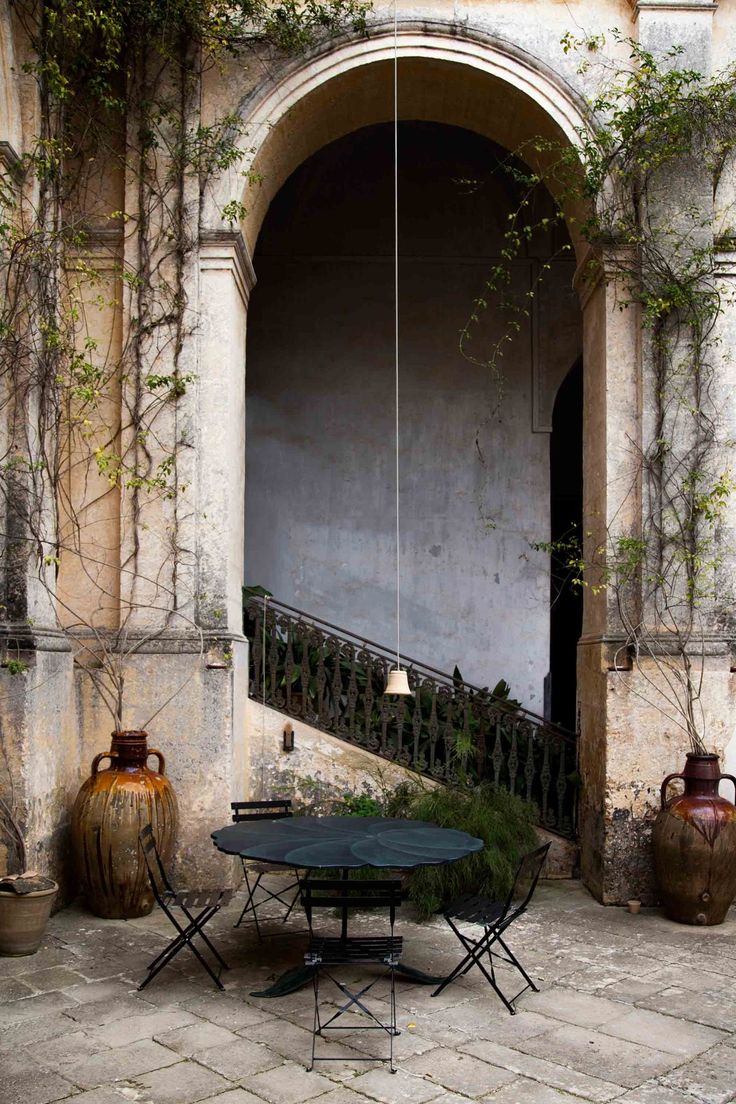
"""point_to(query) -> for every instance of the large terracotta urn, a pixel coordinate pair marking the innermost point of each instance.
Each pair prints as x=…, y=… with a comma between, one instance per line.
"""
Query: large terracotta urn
x=111, y=808
x=694, y=843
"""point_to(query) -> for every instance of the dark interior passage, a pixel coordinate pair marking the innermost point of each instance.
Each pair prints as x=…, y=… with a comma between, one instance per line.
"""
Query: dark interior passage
x=320, y=398
x=566, y=514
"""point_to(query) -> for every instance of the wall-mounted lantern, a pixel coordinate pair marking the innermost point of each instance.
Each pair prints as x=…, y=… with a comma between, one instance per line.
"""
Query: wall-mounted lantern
x=288, y=736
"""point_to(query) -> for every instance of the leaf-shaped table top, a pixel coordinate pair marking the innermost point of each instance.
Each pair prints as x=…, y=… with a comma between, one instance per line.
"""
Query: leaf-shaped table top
x=346, y=842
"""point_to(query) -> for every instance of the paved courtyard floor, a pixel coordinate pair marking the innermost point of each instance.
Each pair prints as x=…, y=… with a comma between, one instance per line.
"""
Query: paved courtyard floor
x=631, y=1008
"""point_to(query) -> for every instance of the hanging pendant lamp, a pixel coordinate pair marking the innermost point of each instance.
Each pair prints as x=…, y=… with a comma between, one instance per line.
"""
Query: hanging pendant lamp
x=398, y=681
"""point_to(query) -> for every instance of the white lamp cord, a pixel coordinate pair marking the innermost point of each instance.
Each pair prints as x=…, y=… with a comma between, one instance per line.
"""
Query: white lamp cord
x=396, y=328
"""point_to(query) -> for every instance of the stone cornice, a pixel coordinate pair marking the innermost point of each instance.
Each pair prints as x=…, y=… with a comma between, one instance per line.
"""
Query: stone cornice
x=674, y=4
x=132, y=642
x=709, y=645
x=219, y=249
x=19, y=636
x=102, y=248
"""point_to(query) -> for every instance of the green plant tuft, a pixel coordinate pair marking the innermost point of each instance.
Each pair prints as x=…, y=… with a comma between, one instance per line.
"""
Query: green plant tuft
x=502, y=820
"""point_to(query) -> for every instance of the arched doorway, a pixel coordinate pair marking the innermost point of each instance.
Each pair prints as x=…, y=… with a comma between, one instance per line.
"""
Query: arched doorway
x=492, y=88
x=475, y=448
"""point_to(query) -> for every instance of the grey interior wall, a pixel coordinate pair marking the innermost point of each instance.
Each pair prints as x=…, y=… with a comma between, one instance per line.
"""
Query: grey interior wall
x=320, y=407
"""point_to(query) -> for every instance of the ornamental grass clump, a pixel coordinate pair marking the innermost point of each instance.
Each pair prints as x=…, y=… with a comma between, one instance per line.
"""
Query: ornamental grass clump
x=502, y=820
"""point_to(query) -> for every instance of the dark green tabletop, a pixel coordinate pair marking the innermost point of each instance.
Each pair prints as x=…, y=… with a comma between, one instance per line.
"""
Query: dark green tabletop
x=346, y=842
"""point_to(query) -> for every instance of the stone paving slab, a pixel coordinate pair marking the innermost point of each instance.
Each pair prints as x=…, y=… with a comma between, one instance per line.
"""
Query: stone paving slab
x=34, y=1087
x=632, y=1008
x=459, y=1072
x=523, y=1091
x=655, y=1093
x=550, y=1073
x=184, y=1083
x=598, y=1055
x=663, y=1032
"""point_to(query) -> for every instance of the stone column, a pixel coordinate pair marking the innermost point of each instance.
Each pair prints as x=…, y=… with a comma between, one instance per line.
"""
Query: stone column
x=37, y=736
x=628, y=742
x=611, y=423
x=191, y=676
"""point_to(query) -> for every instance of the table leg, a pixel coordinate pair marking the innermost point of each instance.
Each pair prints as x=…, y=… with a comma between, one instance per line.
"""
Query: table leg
x=344, y=927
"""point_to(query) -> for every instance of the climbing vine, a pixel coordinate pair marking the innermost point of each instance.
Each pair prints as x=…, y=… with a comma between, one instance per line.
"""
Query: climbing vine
x=646, y=175
x=99, y=219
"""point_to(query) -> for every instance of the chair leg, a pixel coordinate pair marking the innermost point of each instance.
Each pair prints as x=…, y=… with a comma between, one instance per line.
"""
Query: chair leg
x=250, y=905
x=184, y=938
x=475, y=950
x=515, y=962
x=206, y=939
x=295, y=898
x=354, y=1000
x=316, y=1026
x=394, y=1029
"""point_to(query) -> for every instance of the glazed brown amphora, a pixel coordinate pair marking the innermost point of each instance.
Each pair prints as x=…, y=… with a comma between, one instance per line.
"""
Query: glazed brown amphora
x=694, y=842
x=111, y=808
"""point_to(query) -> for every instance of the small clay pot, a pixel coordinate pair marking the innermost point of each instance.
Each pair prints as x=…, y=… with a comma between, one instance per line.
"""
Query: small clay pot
x=633, y=906
x=23, y=919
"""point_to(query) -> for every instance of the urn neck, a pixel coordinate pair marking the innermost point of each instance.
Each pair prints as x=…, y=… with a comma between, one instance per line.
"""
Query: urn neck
x=130, y=748
x=701, y=775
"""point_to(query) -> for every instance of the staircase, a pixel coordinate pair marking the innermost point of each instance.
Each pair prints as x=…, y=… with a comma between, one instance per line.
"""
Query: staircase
x=449, y=730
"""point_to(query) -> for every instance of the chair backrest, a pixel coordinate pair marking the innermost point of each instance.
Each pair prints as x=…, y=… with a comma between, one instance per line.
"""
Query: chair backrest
x=261, y=810
x=337, y=893
x=525, y=881
x=159, y=880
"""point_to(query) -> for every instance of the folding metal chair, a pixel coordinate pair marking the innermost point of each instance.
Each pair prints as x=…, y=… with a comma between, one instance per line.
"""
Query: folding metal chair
x=207, y=901
x=496, y=917
x=327, y=952
x=286, y=896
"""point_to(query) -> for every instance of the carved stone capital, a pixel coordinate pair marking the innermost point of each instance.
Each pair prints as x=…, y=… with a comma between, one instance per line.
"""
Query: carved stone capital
x=227, y=249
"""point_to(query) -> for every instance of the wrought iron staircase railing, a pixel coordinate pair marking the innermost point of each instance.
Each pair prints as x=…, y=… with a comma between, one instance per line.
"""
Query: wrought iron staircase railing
x=449, y=730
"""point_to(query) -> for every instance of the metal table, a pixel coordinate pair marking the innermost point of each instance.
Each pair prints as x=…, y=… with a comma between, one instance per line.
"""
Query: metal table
x=346, y=843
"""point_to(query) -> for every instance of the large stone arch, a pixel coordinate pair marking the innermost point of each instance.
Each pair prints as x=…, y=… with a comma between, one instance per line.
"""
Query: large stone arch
x=486, y=85
x=473, y=80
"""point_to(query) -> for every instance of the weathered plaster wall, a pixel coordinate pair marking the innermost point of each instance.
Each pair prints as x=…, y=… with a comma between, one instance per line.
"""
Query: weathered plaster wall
x=474, y=454
x=497, y=68
x=200, y=732
x=319, y=771
x=40, y=748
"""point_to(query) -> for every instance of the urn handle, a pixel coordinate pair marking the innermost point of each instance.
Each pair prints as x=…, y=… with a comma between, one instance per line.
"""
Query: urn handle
x=111, y=755
x=161, y=760
x=665, y=784
x=729, y=778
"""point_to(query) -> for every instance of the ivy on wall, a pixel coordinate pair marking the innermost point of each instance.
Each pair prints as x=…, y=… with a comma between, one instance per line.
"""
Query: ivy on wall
x=102, y=216
x=645, y=174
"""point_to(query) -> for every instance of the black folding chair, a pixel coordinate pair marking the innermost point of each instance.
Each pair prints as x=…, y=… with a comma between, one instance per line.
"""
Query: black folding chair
x=286, y=896
x=327, y=952
x=208, y=902
x=496, y=917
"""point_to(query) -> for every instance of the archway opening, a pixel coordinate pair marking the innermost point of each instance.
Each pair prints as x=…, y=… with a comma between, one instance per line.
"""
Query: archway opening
x=566, y=520
x=475, y=460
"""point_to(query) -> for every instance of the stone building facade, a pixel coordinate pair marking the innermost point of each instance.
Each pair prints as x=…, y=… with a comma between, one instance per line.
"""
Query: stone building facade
x=496, y=69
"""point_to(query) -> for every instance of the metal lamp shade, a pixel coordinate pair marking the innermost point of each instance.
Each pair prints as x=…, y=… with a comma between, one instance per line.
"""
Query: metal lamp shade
x=398, y=682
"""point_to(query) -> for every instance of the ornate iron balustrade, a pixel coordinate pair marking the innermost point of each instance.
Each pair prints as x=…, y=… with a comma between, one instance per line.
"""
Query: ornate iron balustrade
x=449, y=730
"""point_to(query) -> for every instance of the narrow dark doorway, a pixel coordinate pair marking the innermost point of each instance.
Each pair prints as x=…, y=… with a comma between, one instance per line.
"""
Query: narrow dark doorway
x=566, y=494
